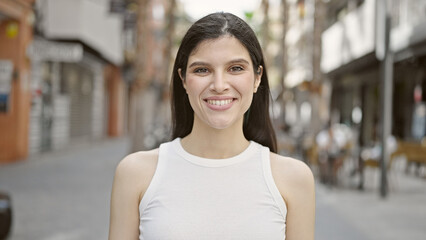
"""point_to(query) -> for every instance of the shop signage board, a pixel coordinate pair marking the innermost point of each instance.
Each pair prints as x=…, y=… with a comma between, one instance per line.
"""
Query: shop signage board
x=43, y=50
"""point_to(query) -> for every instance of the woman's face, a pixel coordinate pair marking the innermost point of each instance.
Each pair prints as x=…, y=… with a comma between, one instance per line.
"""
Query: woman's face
x=220, y=82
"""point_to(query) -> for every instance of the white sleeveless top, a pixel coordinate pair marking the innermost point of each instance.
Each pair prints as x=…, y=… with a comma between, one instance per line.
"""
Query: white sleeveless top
x=194, y=198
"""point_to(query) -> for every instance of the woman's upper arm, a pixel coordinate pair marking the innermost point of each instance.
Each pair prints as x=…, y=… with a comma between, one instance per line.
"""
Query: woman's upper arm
x=295, y=181
x=132, y=177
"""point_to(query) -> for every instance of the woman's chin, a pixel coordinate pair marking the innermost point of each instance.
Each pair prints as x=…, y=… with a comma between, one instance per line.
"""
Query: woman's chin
x=221, y=124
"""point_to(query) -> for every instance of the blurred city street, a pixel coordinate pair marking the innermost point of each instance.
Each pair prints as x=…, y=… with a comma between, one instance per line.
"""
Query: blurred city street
x=64, y=195
x=84, y=83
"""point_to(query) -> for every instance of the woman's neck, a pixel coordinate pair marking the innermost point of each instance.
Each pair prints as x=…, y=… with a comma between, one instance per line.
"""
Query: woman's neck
x=213, y=143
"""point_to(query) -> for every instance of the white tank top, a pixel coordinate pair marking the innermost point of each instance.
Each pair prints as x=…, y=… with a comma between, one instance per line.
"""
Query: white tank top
x=194, y=198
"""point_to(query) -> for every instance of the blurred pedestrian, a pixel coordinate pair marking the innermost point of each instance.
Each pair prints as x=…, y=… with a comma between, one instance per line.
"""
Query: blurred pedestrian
x=371, y=156
x=332, y=143
x=335, y=155
x=321, y=141
x=220, y=177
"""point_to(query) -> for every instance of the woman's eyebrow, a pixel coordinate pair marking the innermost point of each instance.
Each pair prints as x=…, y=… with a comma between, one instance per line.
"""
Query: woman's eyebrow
x=239, y=60
x=198, y=64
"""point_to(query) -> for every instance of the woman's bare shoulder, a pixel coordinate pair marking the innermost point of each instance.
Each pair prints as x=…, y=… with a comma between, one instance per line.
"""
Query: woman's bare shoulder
x=138, y=161
x=291, y=174
x=137, y=169
x=288, y=165
x=132, y=177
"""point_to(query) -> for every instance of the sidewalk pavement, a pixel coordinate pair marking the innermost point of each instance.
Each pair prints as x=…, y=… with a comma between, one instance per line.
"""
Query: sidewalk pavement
x=64, y=195
x=346, y=213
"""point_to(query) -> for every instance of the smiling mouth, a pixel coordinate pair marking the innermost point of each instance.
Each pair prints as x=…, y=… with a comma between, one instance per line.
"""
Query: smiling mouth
x=219, y=102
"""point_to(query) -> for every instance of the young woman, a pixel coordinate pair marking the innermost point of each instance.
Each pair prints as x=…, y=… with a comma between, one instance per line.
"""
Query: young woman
x=220, y=177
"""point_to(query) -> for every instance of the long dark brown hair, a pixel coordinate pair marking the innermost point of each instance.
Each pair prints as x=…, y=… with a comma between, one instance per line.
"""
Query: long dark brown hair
x=257, y=123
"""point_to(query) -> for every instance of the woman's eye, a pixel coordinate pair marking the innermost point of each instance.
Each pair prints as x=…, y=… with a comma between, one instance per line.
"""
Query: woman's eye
x=201, y=70
x=236, y=69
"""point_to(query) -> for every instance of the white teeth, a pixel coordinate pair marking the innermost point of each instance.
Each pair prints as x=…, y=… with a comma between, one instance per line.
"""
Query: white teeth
x=219, y=102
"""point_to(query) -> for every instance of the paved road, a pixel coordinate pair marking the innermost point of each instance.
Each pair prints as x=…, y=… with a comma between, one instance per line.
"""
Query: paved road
x=64, y=195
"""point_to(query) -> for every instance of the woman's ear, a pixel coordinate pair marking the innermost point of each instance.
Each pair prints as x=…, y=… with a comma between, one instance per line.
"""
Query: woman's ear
x=258, y=78
x=181, y=77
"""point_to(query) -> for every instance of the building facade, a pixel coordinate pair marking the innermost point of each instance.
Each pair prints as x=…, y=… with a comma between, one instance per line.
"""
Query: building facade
x=351, y=45
x=74, y=86
x=15, y=36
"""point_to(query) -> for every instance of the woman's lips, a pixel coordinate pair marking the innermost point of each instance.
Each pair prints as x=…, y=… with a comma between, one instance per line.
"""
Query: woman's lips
x=219, y=103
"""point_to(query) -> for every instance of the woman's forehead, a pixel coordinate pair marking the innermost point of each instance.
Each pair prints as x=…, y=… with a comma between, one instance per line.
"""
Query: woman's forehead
x=224, y=46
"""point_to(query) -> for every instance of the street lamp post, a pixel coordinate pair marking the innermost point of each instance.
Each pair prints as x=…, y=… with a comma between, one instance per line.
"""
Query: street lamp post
x=385, y=55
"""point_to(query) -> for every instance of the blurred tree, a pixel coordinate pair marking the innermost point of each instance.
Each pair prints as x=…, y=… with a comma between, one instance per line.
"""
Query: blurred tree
x=319, y=21
x=154, y=44
x=283, y=60
x=284, y=25
x=168, y=46
x=249, y=15
x=141, y=81
x=143, y=32
x=317, y=76
x=265, y=28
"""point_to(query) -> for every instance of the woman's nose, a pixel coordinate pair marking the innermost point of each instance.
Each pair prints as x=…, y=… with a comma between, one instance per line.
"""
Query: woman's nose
x=219, y=83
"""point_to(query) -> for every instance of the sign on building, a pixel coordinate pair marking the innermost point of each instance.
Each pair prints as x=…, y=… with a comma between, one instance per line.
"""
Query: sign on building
x=43, y=50
x=6, y=74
